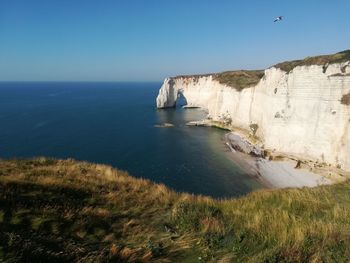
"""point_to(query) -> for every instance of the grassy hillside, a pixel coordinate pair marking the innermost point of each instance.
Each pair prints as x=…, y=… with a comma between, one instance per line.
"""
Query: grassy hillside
x=63, y=210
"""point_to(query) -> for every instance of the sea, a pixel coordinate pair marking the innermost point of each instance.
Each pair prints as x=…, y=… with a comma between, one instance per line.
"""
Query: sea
x=116, y=123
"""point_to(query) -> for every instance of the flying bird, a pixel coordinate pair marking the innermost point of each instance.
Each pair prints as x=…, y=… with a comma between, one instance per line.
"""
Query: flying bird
x=279, y=18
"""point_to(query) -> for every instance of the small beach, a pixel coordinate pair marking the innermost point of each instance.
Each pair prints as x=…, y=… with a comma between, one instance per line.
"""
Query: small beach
x=271, y=173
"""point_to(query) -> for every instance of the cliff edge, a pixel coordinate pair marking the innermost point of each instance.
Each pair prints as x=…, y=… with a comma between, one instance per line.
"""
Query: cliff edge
x=68, y=211
x=298, y=107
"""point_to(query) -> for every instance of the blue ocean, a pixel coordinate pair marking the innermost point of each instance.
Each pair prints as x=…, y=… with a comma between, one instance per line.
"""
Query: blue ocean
x=114, y=123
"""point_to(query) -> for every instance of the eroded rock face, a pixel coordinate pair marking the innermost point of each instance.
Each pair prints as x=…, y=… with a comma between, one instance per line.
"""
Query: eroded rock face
x=167, y=94
x=298, y=113
x=237, y=143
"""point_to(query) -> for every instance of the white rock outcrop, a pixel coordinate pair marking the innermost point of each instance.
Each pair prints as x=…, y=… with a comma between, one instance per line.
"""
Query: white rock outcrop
x=298, y=113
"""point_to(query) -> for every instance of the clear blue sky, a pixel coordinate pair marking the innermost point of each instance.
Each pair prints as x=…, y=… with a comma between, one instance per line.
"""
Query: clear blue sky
x=138, y=40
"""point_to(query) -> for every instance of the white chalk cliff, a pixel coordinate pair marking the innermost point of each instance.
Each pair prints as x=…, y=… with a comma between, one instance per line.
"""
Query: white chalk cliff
x=298, y=113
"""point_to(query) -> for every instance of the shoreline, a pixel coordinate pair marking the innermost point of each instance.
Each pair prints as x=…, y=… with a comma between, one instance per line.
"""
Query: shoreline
x=271, y=173
x=274, y=169
x=276, y=174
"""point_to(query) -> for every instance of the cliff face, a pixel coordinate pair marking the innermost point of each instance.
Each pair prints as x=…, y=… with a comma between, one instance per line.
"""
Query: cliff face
x=304, y=112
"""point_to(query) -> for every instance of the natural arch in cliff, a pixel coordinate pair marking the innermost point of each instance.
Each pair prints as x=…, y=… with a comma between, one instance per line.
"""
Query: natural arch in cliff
x=180, y=100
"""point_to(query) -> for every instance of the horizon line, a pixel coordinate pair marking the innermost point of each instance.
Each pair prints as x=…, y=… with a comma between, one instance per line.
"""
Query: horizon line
x=90, y=81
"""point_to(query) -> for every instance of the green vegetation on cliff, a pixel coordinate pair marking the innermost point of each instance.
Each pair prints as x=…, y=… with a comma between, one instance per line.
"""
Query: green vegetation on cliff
x=237, y=79
x=63, y=210
x=240, y=79
x=317, y=60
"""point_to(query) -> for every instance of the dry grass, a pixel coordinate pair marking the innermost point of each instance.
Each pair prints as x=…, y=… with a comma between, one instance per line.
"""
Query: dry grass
x=317, y=60
x=62, y=210
x=240, y=79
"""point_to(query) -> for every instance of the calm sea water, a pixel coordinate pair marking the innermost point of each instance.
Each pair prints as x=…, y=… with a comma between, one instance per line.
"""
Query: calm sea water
x=113, y=123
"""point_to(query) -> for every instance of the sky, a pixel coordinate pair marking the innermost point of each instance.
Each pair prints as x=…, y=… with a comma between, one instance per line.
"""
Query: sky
x=148, y=40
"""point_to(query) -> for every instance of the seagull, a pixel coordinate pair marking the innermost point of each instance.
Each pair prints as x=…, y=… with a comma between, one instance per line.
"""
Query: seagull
x=279, y=18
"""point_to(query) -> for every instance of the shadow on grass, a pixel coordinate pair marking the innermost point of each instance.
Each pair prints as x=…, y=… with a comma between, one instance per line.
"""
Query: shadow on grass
x=49, y=223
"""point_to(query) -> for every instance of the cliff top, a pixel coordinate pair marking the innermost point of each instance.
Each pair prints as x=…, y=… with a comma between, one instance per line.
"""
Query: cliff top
x=241, y=79
x=238, y=79
x=339, y=57
x=68, y=211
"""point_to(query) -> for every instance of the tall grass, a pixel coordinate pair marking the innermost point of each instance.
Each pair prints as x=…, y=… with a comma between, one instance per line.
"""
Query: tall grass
x=63, y=210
